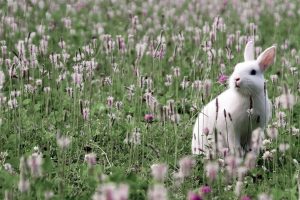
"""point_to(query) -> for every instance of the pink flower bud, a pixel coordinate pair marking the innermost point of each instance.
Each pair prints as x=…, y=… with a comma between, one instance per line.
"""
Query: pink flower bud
x=149, y=118
x=194, y=196
x=205, y=189
x=222, y=79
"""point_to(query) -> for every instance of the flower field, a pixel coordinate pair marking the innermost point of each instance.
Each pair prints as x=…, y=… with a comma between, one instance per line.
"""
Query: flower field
x=98, y=98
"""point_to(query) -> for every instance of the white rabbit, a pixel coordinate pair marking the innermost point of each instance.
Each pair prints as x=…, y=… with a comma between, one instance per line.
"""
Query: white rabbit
x=231, y=117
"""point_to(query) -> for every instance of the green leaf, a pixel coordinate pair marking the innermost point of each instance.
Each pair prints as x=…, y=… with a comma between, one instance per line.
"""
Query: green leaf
x=7, y=180
x=26, y=102
x=37, y=107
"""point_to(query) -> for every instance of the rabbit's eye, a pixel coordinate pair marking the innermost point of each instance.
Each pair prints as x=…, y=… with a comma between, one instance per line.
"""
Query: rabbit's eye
x=253, y=72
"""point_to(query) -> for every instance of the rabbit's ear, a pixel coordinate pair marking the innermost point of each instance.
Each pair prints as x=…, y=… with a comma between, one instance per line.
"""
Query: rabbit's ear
x=249, y=51
x=266, y=58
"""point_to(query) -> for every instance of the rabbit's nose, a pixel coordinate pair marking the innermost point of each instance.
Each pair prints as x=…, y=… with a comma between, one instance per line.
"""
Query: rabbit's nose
x=237, y=82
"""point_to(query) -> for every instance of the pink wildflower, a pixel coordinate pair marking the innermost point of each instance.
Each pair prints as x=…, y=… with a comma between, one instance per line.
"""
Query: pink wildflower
x=194, y=196
x=212, y=170
x=35, y=162
x=222, y=79
x=185, y=165
x=159, y=171
x=245, y=197
x=149, y=118
x=205, y=189
x=90, y=159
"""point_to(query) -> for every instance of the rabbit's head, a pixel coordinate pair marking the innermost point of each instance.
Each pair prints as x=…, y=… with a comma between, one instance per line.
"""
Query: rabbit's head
x=247, y=77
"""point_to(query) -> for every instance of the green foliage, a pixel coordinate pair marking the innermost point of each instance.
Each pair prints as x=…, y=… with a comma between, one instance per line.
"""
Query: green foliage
x=42, y=117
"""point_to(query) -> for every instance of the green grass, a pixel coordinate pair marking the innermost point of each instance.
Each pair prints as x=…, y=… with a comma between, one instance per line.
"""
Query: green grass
x=40, y=116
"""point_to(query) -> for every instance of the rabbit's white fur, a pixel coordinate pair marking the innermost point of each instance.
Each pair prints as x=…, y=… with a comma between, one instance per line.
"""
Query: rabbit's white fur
x=228, y=116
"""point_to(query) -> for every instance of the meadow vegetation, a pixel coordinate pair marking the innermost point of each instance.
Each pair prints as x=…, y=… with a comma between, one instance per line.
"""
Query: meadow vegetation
x=98, y=98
